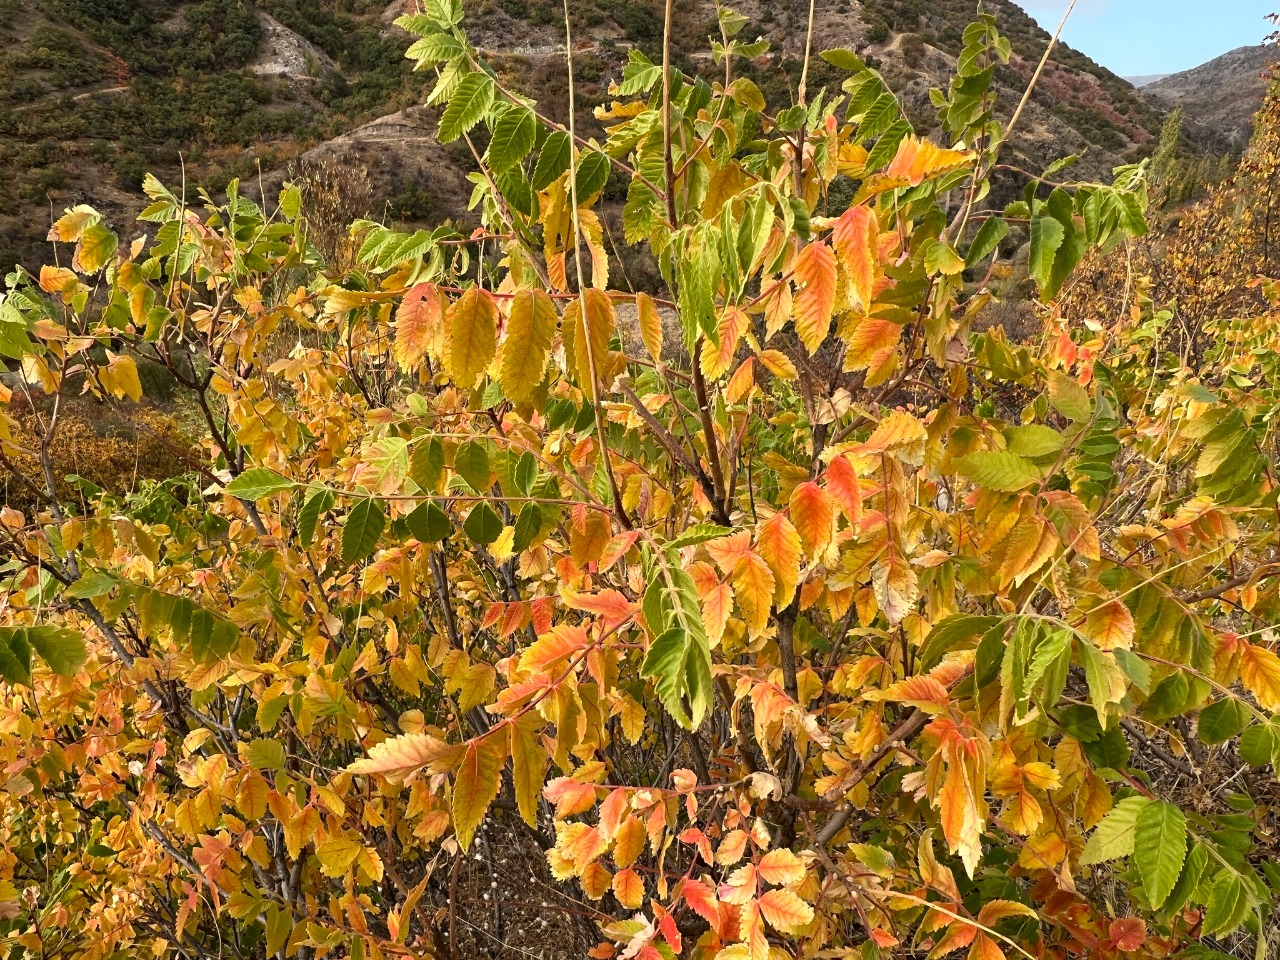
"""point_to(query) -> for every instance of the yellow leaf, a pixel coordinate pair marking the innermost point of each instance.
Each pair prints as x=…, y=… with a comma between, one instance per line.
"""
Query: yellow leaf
x=595, y=334
x=120, y=377
x=528, y=767
x=251, y=797
x=650, y=325
x=477, y=782
x=778, y=542
x=855, y=237
x=337, y=854
x=1110, y=625
x=781, y=867
x=753, y=585
x=629, y=842
x=1260, y=673
x=57, y=279
x=530, y=330
x=815, y=267
x=73, y=223
x=477, y=684
x=473, y=336
x=784, y=911
x=399, y=759
x=419, y=325
x=779, y=364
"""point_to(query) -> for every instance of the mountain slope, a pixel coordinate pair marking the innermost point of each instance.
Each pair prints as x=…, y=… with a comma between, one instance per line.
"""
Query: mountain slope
x=1223, y=94
x=95, y=92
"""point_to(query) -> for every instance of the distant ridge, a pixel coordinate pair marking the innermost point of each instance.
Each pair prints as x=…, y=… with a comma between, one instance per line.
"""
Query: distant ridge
x=1224, y=93
x=1146, y=78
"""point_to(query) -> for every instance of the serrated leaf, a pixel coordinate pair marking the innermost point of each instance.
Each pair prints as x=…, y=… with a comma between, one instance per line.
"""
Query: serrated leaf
x=482, y=525
x=63, y=650
x=1160, y=846
x=530, y=330
x=337, y=854
x=998, y=470
x=1221, y=721
x=513, y=137
x=1047, y=235
x=552, y=161
x=428, y=523
x=815, y=301
x=316, y=506
x=476, y=785
x=472, y=464
x=257, y=483
x=468, y=104
x=1069, y=398
x=1114, y=836
x=472, y=325
x=264, y=754
x=361, y=531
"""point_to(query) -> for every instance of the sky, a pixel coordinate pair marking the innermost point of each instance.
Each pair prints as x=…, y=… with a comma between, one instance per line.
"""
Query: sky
x=1135, y=37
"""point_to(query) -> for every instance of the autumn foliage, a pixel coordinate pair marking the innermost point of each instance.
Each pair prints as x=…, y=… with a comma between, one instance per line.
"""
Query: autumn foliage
x=793, y=610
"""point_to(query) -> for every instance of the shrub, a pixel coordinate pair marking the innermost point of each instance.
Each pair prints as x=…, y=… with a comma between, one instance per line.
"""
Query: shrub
x=809, y=615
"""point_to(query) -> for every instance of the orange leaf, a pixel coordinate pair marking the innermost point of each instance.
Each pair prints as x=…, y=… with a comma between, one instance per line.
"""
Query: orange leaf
x=731, y=848
x=784, y=910
x=570, y=796
x=842, y=484
x=813, y=513
x=549, y=649
x=920, y=160
x=985, y=948
x=815, y=267
x=715, y=610
x=1111, y=625
x=1128, y=934
x=701, y=899
x=726, y=551
x=924, y=693
x=628, y=887
x=778, y=541
x=419, y=324
x=717, y=360
x=854, y=237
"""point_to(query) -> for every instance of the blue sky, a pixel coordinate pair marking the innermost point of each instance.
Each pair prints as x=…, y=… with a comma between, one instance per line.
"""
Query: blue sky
x=1133, y=37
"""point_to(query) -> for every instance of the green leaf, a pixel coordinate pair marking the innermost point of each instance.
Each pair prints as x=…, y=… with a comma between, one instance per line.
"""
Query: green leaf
x=1159, y=848
x=992, y=232
x=1258, y=745
x=699, y=533
x=63, y=650
x=291, y=201
x=1035, y=440
x=1047, y=235
x=434, y=48
x=528, y=526
x=472, y=464
x=941, y=258
x=592, y=175
x=1104, y=677
x=266, y=754
x=525, y=474
x=482, y=525
x=1069, y=398
x=682, y=668
x=428, y=523
x=360, y=533
x=1227, y=905
x=1221, y=721
x=1115, y=835
x=998, y=470
x=258, y=483
x=93, y=585
x=513, y=138
x=317, y=505
x=470, y=102
x=15, y=660
x=552, y=161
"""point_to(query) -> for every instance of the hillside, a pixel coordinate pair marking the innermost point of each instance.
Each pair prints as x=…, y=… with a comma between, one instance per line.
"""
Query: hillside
x=95, y=92
x=1223, y=94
